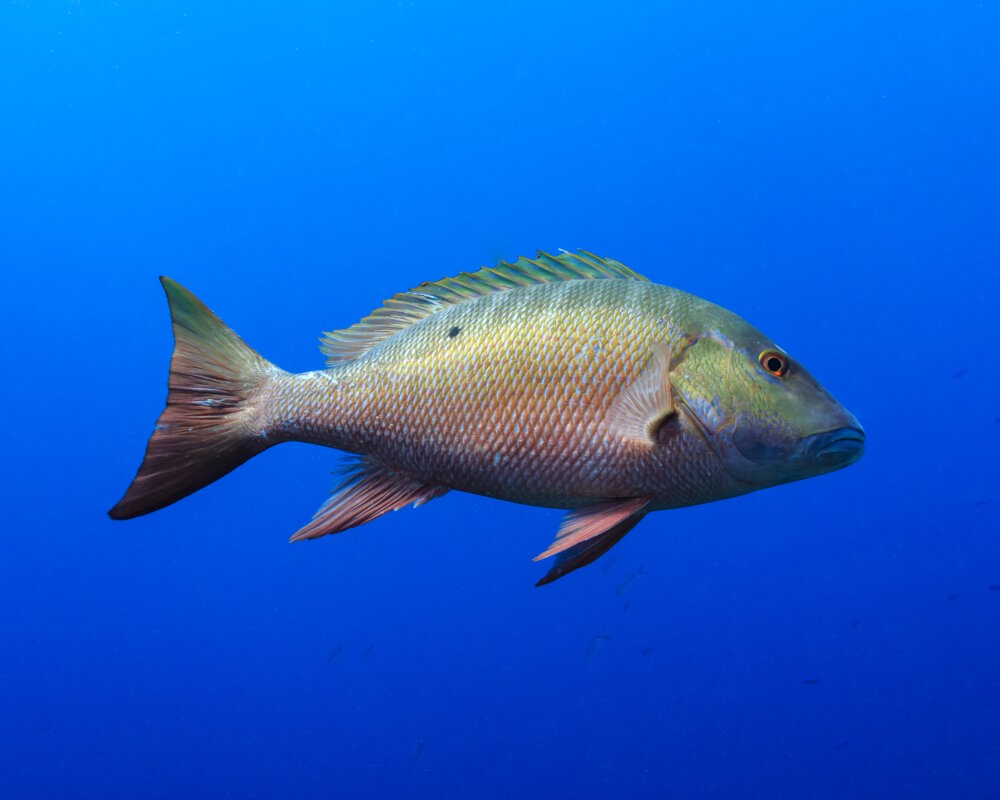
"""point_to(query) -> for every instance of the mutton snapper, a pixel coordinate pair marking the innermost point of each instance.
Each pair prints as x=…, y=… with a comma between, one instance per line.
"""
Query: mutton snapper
x=565, y=381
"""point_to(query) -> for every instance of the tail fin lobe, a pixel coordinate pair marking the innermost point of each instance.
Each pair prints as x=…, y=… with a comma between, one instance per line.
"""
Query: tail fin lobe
x=209, y=426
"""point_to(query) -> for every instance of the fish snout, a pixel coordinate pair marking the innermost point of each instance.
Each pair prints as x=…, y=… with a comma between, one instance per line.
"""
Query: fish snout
x=838, y=447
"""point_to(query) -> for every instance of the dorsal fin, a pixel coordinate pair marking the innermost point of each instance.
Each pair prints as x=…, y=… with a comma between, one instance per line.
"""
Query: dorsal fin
x=404, y=309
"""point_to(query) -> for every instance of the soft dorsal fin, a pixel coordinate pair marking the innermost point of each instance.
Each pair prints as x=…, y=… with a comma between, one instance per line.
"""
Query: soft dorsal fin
x=404, y=309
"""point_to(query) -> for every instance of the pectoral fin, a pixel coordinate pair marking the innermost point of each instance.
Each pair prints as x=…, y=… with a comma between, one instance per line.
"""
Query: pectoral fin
x=642, y=406
x=368, y=491
x=590, y=550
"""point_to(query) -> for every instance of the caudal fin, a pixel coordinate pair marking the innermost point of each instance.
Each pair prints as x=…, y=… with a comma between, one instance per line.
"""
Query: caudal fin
x=211, y=424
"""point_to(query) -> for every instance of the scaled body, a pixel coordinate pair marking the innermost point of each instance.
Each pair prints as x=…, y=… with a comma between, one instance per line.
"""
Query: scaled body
x=507, y=395
x=570, y=382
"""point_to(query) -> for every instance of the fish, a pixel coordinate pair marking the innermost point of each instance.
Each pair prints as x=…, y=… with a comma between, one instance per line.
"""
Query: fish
x=959, y=373
x=645, y=651
x=627, y=580
x=628, y=602
x=994, y=587
x=981, y=503
x=951, y=598
x=842, y=743
x=368, y=651
x=856, y=622
x=595, y=645
x=335, y=653
x=811, y=681
x=564, y=381
x=418, y=752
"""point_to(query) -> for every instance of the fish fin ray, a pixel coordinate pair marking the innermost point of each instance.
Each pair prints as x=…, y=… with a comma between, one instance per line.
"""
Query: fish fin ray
x=582, y=524
x=641, y=407
x=367, y=491
x=588, y=551
x=406, y=308
x=208, y=427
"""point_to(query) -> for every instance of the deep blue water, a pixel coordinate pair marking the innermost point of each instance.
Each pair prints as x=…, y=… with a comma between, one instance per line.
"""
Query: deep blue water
x=829, y=170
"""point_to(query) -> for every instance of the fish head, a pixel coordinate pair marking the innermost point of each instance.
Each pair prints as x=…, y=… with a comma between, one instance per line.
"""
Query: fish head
x=765, y=416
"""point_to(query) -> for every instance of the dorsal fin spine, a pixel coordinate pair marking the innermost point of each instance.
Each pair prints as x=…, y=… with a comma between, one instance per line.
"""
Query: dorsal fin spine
x=406, y=308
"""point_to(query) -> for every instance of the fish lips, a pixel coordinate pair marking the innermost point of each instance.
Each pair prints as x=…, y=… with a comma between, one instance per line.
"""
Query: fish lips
x=835, y=448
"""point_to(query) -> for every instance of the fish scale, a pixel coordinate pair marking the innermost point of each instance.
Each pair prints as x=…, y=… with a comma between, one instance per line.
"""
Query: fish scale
x=443, y=409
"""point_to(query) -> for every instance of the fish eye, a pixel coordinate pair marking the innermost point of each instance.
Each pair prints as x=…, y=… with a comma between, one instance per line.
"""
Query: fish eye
x=773, y=362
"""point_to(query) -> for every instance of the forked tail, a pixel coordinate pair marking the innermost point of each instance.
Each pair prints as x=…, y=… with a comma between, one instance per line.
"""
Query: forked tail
x=212, y=423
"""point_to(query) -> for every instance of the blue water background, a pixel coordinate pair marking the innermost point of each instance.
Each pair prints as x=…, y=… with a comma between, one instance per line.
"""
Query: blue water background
x=829, y=170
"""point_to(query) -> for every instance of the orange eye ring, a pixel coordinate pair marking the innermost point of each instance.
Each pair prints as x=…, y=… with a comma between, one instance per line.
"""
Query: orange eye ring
x=773, y=363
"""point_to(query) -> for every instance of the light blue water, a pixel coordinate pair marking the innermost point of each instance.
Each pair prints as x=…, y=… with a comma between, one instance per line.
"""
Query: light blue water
x=830, y=171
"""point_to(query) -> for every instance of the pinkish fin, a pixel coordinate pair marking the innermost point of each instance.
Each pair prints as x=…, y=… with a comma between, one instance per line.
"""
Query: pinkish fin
x=368, y=490
x=587, y=523
x=588, y=551
x=210, y=425
x=642, y=406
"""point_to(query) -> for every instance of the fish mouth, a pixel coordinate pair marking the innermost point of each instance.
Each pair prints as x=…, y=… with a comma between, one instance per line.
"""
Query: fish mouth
x=839, y=447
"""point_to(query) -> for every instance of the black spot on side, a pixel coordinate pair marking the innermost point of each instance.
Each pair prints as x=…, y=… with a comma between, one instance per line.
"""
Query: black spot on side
x=454, y=332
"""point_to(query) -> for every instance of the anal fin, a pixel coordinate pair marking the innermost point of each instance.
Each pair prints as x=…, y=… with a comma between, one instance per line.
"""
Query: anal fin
x=367, y=491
